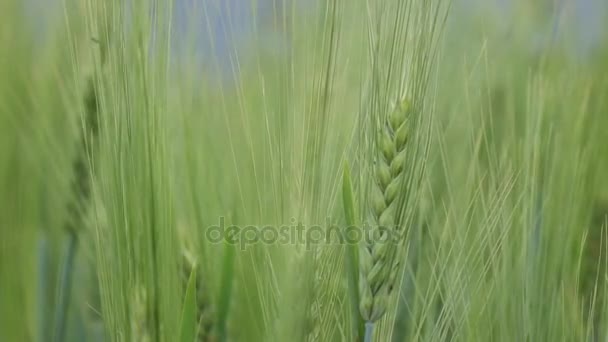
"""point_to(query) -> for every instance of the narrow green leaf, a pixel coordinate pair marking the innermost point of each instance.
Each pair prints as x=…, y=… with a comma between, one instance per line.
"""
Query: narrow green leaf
x=352, y=252
x=188, y=324
x=226, y=290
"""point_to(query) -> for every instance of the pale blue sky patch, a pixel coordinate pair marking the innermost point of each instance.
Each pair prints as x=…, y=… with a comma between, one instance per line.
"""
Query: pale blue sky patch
x=220, y=27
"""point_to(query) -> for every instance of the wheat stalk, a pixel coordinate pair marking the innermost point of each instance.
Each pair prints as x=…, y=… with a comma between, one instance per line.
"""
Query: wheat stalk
x=379, y=255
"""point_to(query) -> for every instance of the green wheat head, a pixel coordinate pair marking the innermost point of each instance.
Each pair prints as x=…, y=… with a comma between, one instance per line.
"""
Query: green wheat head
x=379, y=256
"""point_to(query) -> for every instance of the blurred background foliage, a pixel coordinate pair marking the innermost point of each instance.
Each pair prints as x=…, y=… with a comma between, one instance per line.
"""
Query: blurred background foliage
x=518, y=164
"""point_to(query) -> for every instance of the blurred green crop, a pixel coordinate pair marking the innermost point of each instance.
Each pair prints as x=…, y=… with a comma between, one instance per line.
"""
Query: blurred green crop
x=509, y=237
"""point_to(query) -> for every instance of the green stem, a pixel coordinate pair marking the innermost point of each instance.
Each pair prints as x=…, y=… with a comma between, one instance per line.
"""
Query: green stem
x=65, y=288
x=369, y=332
x=352, y=269
x=225, y=291
x=43, y=286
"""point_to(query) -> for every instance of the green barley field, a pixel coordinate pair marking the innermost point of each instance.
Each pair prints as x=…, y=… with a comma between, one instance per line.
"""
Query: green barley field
x=319, y=170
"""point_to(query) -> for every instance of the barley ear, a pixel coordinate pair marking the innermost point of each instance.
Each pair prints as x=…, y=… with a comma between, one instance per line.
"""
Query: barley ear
x=379, y=254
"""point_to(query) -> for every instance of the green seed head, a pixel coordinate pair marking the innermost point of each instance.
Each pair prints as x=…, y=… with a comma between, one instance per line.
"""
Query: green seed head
x=398, y=116
x=379, y=259
x=383, y=173
x=378, y=204
x=401, y=136
x=381, y=303
x=397, y=164
x=382, y=249
x=387, y=219
x=391, y=191
x=399, y=124
x=388, y=146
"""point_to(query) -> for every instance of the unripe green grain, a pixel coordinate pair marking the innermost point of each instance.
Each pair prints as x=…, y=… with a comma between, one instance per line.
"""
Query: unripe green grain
x=378, y=260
